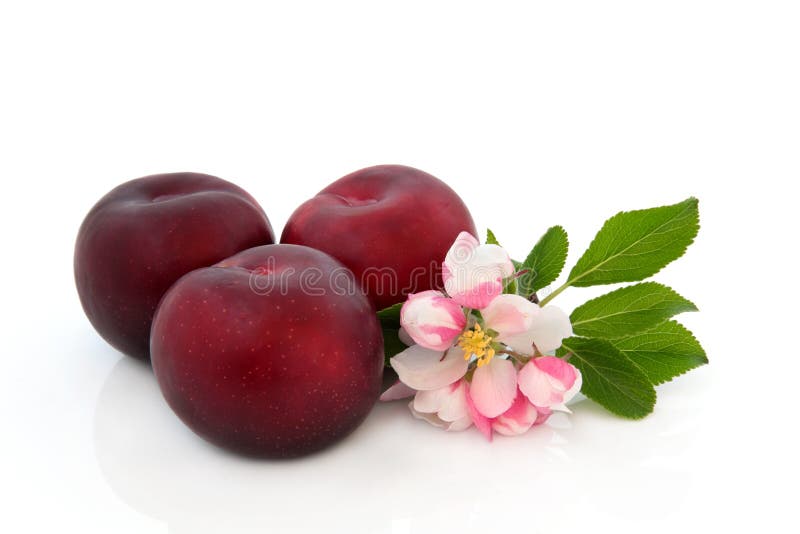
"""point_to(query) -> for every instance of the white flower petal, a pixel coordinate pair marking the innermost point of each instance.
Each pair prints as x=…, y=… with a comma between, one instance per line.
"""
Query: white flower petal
x=431, y=418
x=454, y=404
x=425, y=369
x=430, y=401
x=460, y=424
x=576, y=387
x=549, y=328
x=454, y=426
x=397, y=391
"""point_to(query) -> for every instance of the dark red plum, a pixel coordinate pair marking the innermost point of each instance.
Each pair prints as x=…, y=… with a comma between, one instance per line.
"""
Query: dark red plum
x=144, y=235
x=391, y=224
x=274, y=352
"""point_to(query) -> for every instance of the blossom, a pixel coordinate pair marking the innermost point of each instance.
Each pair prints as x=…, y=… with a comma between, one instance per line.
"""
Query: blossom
x=486, y=369
x=432, y=319
x=549, y=382
x=493, y=387
x=473, y=273
x=520, y=417
x=425, y=369
x=522, y=324
x=444, y=407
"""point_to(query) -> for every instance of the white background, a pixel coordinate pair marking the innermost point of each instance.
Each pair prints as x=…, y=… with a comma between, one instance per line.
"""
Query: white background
x=537, y=114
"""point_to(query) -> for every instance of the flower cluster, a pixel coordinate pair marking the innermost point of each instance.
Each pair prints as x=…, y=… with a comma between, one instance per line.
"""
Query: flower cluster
x=478, y=355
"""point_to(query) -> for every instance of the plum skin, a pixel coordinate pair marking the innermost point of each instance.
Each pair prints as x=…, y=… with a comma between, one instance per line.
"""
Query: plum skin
x=148, y=232
x=386, y=217
x=274, y=375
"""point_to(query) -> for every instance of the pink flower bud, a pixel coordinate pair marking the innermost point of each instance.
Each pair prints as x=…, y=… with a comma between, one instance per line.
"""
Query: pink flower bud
x=432, y=319
x=473, y=273
x=549, y=382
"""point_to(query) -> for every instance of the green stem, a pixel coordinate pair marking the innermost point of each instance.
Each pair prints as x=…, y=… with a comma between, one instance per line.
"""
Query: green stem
x=555, y=293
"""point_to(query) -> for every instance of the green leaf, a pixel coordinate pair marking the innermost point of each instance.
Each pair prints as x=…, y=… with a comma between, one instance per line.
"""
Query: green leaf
x=666, y=351
x=633, y=245
x=390, y=316
x=490, y=238
x=390, y=324
x=391, y=344
x=609, y=378
x=628, y=310
x=511, y=286
x=545, y=261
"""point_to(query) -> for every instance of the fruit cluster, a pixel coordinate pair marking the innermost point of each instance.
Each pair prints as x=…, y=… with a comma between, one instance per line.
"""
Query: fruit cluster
x=271, y=350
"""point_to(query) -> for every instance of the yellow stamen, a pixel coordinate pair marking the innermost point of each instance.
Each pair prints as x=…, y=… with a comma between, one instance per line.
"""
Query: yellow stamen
x=476, y=341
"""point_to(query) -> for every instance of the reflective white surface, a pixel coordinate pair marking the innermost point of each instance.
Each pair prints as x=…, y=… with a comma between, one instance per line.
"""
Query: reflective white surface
x=537, y=113
x=394, y=473
x=95, y=446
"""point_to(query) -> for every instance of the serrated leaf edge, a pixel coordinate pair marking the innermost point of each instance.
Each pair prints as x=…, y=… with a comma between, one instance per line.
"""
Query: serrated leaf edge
x=650, y=283
x=528, y=263
x=660, y=382
x=639, y=369
x=690, y=205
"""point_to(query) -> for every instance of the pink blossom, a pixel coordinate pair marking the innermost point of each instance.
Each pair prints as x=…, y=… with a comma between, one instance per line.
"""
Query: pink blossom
x=493, y=387
x=432, y=319
x=500, y=394
x=518, y=418
x=482, y=423
x=549, y=382
x=521, y=324
x=473, y=273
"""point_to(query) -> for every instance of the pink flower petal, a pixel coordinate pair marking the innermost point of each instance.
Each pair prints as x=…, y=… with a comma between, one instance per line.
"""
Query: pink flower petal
x=537, y=386
x=478, y=296
x=425, y=369
x=517, y=419
x=558, y=369
x=509, y=314
x=473, y=273
x=481, y=423
x=521, y=324
x=397, y=391
x=549, y=382
x=432, y=319
x=494, y=386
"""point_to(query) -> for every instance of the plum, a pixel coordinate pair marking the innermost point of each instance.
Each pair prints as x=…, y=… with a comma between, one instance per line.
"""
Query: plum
x=148, y=232
x=274, y=352
x=391, y=225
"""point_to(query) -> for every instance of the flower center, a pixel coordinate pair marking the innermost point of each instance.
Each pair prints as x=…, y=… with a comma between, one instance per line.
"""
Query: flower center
x=476, y=341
